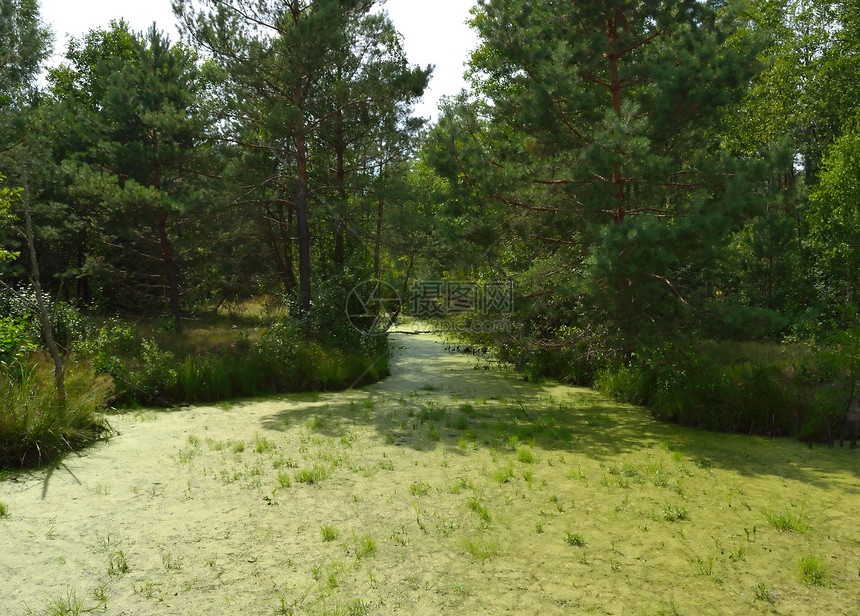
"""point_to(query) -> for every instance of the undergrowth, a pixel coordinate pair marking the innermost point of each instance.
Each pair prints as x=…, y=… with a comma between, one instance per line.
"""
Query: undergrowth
x=279, y=359
x=35, y=427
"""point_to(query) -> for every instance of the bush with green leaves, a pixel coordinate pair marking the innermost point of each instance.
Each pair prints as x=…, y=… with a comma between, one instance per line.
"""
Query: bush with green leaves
x=833, y=373
x=15, y=339
x=19, y=308
x=106, y=346
x=36, y=427
x=283, y=359
x=683, y=385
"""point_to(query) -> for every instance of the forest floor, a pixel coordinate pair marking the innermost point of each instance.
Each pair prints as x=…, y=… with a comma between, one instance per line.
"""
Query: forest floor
x=450, y=488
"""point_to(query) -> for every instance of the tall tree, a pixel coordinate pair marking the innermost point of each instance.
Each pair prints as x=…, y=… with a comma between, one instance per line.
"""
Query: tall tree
x=371, y=89
x=793, y=113
x=134, y=105
x=811, y=77
x=834, y=224
x=298, y=72
x=600, y=128
x=24, y=44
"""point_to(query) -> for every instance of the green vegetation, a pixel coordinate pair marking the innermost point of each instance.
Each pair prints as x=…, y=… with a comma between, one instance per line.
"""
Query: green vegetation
x=479, y=508
x=70, y=605
x=117, y=564
x=712, y=278
x=284, y=480
x=611, y=494
x=36, y=428
x=419, y=488
x=365, y=546
x=787, y=521
x=812, y=570
x=117, y=364
x=679, y=230
x=170, y=562
x=659, y=200
x=762, y=592
x=315, y=474
x=222, y=362
x=480, y=547
x=673, y=514
x=574, y=539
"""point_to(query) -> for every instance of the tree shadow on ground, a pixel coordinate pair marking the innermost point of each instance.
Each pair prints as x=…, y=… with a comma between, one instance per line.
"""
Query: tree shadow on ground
x=438, y=400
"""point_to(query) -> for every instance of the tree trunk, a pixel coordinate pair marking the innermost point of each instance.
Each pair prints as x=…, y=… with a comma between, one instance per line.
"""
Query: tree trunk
x=44, y=316
x=613, y=26
x=377, y=267
x=340, y=224
x=283, y=262
x=302, y=223
x=167, y=255
x=82, y=284
x=287, y=242
x=169, y=260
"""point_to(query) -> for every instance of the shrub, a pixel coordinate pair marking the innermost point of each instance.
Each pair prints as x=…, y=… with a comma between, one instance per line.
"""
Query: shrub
x=628, y=383
x=19, y=305
x=682, y=385
x=36, y=428
x=833, y=373
x=15, y=339
x=282, y=360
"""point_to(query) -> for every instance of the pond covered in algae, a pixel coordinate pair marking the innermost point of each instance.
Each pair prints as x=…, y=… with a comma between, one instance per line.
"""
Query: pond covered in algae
x=449, y=488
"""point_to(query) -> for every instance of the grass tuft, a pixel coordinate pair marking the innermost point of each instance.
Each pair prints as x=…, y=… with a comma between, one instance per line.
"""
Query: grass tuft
x=315, y=474
x=478, y=507
x=504, y=474
x=69, y=605
x=419, y=488
x=812, y=570
x=574, y=539
x=284, y=480
x=171, y=563
x=762, y=592
x=365, y=546
x=674, y=514
x=117, y=564
x=329, y=533
x=36, y=428
x=785, y=521
x=480, y=548
x=262, y=444
x=525, y=455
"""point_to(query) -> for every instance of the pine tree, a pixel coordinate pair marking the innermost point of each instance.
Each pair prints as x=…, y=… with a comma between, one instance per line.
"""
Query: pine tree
x=600, y=131
x=133, y=108
x=310, y=85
